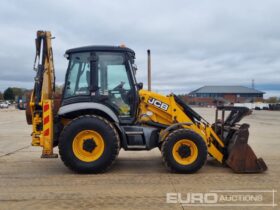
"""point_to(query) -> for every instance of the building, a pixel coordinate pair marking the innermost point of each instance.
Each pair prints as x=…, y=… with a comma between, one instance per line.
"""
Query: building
x=213, y=95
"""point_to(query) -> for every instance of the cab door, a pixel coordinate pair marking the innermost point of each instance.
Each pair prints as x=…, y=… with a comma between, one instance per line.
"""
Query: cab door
x=116, y=84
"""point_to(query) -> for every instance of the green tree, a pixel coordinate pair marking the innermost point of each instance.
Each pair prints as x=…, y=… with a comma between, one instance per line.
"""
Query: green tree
x=18, y=91
x=9, y=94
x=1, y=96
x=272, y=100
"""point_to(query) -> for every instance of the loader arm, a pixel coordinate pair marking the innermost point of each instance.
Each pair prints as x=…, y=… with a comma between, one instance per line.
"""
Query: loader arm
x=41, y=100
x=171, y=110
x=228, y=145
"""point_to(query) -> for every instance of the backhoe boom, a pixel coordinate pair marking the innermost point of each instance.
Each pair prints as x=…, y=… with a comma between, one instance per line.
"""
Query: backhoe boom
x=41, y=101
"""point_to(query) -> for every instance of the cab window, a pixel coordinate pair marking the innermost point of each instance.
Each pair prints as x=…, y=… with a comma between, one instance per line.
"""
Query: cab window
x=78, y=78
x=114, y=82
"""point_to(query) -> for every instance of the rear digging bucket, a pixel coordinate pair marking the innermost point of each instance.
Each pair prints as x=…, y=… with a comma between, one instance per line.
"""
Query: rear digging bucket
x=241, y=157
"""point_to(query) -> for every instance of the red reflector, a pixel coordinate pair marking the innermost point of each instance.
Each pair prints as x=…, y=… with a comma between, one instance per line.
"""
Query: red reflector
x=46, y=107
x=47, y=132
x=46, y=120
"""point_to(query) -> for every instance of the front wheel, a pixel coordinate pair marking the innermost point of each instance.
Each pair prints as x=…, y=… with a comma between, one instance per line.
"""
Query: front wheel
x=89, y=144
x=184, y=151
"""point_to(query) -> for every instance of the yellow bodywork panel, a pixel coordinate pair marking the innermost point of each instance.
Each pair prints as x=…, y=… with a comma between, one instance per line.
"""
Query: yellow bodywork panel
x=164, y=110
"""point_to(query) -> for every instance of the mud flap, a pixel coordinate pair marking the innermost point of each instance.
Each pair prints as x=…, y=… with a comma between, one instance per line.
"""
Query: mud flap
x=241, y=158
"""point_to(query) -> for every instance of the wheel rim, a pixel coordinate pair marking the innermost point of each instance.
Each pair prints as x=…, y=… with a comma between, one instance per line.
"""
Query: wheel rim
x=88, y=145
x=185, y=152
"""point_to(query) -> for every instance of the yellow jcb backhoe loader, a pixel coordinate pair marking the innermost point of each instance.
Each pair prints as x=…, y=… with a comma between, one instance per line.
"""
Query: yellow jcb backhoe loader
x=103, y=109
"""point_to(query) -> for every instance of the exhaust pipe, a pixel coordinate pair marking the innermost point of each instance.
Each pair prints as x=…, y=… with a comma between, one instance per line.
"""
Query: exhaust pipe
x=149, y=71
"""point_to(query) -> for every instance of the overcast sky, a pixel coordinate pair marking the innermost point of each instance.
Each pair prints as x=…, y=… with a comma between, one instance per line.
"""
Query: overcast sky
x=193, y=43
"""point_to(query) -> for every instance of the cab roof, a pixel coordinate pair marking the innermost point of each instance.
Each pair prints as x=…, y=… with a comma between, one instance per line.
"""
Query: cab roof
x=100, y=48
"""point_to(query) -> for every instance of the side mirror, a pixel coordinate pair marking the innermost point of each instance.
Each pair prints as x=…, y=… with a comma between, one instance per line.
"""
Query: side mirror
x=134, y=66
x=140, y=85
x=68, y=85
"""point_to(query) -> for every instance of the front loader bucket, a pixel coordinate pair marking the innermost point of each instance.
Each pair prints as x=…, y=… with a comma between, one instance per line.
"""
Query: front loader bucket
x=241, y=157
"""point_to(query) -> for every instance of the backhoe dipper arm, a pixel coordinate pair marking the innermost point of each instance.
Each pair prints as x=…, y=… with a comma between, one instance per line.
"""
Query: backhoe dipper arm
x=41, y=101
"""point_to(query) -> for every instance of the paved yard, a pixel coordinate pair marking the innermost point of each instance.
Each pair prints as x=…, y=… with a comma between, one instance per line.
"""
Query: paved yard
x=138, y=180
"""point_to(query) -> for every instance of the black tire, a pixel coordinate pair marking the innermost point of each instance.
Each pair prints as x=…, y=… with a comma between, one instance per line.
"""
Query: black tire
x=97, y=124
x=169, y=159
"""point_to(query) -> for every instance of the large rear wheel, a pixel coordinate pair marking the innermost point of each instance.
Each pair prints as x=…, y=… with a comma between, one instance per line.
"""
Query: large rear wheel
x=184, y=151
x=89, y=144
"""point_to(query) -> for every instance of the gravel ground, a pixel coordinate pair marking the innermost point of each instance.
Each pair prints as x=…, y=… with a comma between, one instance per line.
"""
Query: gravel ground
x=138, y=180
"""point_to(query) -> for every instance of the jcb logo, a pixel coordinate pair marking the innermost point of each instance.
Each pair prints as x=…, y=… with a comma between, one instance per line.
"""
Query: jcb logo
x=158, y=104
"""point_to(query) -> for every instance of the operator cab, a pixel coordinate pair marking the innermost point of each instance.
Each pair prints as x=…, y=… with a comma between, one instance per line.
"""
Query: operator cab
x=102, y=75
